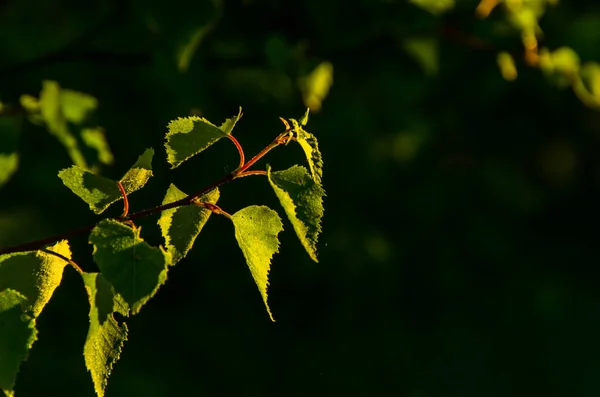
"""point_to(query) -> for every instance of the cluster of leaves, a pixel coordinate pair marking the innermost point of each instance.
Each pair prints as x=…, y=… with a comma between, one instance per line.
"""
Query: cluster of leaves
x=66, y=114
x=130, y=271
x=562, y=65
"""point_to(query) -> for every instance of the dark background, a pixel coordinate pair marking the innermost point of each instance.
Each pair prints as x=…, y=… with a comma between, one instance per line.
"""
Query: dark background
x=459, y=248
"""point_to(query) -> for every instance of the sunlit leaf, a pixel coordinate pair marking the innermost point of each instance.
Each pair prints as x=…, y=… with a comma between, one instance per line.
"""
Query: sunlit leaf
x=181, y=225
x=191, y=135
x=96, y=139
x=105, y=336
x=10, y=128
x=17, y=335
x=134, y=268
x=77, y=106
x=52, y=113
x=139, y=173
x=315, y=86
x=302, y=199
x=34, y=274
x=27, y=282
x=256, y=230
x=100, y=192
x=97, y=191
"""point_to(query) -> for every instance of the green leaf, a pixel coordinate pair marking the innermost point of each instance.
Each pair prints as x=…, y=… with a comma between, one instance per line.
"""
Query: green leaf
x=302, y=200
x=134, y=268
x=100, y=192
x=425, y=51
x=27, y=282
x=17, y=335
x=35, y=274
x=52, y=112
x=435, y=7
x=77, y=106
x=315, y=86
x=10, y=129
x=191, y=135
x=97, y=191
x=256, y=230
x=96, y=139
x=105, y=337
x=181, y=225
x=139, y=173
x=309, y=145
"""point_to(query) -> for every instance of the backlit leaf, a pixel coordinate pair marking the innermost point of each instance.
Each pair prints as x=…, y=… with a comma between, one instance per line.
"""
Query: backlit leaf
x=95, y=139
x=17, y=335
x=27, y=282
x=181, y=225
x=302, y=199
x=134, y=268
x=105, y=336
x=76, y=106
x=34, y=274
x=139, y=173
x=10, y=128
x=100, y=192
x=191, y=135
x=309, y=145
x=315, y=86
x=97, y=191
x=256, y=230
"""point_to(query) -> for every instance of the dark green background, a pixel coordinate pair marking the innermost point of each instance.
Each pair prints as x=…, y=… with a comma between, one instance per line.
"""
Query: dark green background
x=467, y=267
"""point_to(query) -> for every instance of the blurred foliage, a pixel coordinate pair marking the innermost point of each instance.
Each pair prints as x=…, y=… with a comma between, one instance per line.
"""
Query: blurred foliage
x=458, y=249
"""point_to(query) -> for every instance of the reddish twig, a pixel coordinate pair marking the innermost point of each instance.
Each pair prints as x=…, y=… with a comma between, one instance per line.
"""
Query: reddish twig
x=125, y=200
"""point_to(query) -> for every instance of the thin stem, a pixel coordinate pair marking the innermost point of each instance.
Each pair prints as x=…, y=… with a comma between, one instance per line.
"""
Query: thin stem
x=239, y=148
x=125, y=200
x=249, y=173
x=214, y=209
x=69, y=261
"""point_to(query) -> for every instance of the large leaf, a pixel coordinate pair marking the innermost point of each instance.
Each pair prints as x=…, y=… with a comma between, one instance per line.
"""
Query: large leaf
x=302, y=199
x=191, y=135
x=17, y=335
x=27, y=282
x=105, y=337
x=256, y=230
x=134, y=268
x=34, y=274
x=100, y=192
x=181, y=225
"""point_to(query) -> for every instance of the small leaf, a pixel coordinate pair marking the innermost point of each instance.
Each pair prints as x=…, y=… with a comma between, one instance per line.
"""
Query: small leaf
x=315, y=86
x=425, y=51
x=105, y=337
x=96, y=139
x=77, y=106
x=134, y=268
x=34, y=274
x=506, y=63
x=302, y=199
x=139, y=173
x=100, y=192
x=309, y=145
x=52, y=113
x=17, y=335
x=181, y=225
x=97, y=191
x=256, y=230
x=10, y=129
x=191, y=135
